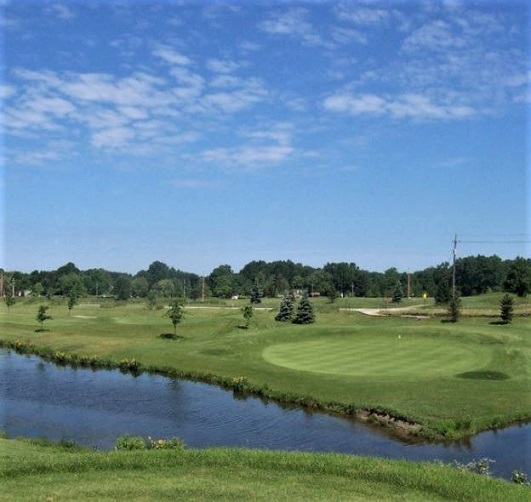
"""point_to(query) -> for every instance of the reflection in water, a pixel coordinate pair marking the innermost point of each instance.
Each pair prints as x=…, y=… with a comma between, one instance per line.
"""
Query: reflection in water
x=93, y=408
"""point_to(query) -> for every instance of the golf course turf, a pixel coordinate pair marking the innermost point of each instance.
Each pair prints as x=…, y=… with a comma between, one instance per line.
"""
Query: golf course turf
x=454, y=379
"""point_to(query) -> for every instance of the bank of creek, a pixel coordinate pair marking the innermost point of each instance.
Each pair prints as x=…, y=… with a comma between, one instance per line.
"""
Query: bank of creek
x=93, y=408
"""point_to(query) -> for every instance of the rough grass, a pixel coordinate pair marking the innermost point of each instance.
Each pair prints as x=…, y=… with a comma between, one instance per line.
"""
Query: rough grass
x=32, y=472
x=409, y=367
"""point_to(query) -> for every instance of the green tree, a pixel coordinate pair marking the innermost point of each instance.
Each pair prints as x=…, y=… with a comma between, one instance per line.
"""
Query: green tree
x=176, y=314
x=221, y=280
x=151, y=300
x=518, y=278
x=398, y=292
x=248, y=313
x=9, y=299
x=123, y=288
x=72, y=301
x=507, y=308
x=42, y=315
x=286, y=308
x=256, y=294
x=140, y=287
x=454, y=308
x=305, y=313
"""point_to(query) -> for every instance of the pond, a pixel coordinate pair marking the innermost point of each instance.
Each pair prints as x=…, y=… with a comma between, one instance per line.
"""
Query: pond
x=93, y=408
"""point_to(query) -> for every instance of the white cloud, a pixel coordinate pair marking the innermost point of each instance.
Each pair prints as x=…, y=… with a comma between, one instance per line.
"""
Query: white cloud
x=61, y=11
x=402, y=106
x=171, y=56
x=294, y=23
x=222, y=65
x=7, y=91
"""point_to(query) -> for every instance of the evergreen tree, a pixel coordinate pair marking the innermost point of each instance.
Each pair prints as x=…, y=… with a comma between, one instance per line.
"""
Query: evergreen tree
x=506, y=308
x=305, y=313
x=454, y=308
x=248, y=313
x=256, y=294
x=285, y=311
x=398, y=293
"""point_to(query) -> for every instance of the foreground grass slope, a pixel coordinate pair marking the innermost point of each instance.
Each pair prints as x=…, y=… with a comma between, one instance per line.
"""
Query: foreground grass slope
x=454, y=379
x=32, y=472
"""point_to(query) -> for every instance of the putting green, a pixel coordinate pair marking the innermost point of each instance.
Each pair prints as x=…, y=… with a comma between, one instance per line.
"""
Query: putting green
x=380, y=356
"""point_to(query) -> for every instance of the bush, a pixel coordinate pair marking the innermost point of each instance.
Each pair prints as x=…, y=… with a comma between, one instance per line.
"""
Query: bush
x=130, y=443
x=166, y=444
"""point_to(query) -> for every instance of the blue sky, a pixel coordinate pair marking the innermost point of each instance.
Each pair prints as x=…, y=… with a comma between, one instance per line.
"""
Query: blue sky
x=205, y=133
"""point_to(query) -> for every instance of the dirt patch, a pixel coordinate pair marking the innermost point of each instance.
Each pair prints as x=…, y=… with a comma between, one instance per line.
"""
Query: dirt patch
x=399, y=427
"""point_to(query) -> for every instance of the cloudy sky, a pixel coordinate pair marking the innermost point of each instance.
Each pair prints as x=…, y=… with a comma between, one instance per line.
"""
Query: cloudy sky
x=201, y=133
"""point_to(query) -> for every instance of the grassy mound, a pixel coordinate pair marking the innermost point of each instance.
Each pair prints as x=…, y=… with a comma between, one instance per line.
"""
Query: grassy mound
x=31, y=472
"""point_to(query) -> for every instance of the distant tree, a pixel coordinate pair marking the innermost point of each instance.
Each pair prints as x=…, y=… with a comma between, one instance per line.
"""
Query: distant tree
x=140, y=287
x=398, y=292
x=42, y=315
x=176, y=314
x=305, y=313
x=151, y=300
x=332, y=295
x=9, y=299
x=286, y=308
x=72, y=301
x=518, y=278
x=443, y=291
x=122, y=288
x=37, y=290
x=454, y=308
x=256, y=294
x=507, y=308
x=220, y=281
x=248, y=313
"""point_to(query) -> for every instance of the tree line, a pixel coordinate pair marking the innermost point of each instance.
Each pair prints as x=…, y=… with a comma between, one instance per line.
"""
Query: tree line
x=473, y=275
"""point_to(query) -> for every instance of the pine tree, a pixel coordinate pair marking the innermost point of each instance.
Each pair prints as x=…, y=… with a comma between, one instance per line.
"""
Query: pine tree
x=454, y=308
x=398, y=293
x=285, y=311
x=506, y=308
x=256, y=294
x=42, y=316
x=305, y=313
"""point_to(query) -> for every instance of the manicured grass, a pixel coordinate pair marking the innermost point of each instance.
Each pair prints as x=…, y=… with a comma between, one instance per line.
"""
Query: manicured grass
x=33, y=472
x=377, y=356
x=454, y=379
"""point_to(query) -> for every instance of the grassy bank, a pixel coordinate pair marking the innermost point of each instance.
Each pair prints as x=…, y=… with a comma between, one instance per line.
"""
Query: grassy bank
x=454, y=379
x=33, y=472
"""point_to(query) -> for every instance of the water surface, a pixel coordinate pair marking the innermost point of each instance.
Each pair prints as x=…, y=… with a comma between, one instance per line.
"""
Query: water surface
x=93, y=408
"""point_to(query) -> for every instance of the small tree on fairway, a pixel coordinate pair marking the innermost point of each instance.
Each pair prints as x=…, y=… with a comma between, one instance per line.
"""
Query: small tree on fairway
x=151, y=300
x=72, y=301
x=305, y=313
x=285, y=311
x=256, y=294
x=42, y=315
x=454, y=308
x=176, y=314
x=398, y=293
x=506, y=308
x=248, y=313
x=10, y=300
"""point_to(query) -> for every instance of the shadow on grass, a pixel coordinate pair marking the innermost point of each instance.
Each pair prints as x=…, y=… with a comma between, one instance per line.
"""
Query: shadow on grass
x=171, y=336
x=41, y=330
x=498, y=323
x=242, y=326
x=484, y=375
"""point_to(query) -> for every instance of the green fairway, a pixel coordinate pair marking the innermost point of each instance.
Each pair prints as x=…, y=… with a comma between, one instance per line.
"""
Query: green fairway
x=373, y=355
x=453, y=379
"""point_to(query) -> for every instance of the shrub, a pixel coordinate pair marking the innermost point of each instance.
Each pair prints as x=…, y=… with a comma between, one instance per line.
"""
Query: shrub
x=130, y=443
x=166, y=444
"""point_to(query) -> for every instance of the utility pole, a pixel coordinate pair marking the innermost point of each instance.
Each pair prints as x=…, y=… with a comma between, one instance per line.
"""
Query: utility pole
x=453, y=266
